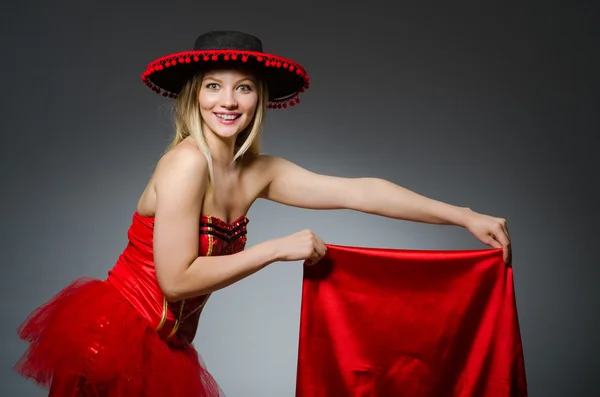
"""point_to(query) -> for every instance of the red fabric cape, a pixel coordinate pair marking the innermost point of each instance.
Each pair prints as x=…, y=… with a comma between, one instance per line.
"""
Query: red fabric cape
x=387, y=322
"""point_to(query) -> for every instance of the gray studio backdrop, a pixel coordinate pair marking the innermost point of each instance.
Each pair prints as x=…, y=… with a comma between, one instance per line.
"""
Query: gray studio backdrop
x=491, y=108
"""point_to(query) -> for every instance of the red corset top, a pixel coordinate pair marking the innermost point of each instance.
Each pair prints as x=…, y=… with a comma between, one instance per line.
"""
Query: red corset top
x=134, y=275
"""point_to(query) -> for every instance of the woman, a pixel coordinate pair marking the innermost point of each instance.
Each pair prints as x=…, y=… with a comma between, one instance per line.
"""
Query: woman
x=131, y=334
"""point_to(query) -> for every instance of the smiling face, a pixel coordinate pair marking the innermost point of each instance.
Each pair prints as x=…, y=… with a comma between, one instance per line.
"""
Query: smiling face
x=228, y=100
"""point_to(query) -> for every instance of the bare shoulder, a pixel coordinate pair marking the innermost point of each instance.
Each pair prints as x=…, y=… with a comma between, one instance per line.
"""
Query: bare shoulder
x=183, y=167
x=180, y=175
x=183, y=163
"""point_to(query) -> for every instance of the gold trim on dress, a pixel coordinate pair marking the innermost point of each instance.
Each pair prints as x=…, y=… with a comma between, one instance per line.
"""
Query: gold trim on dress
x=210, y=238
x=178, y=321
x=164, y=314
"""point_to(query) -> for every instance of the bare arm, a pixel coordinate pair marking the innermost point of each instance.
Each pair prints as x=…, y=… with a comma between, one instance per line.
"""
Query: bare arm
x=381, y=197
x=293, y=185
x=290, y=184
x=211, y=273
x=181, y=180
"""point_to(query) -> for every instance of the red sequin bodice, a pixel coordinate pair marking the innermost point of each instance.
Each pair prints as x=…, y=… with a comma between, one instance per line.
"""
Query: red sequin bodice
x=134, y=275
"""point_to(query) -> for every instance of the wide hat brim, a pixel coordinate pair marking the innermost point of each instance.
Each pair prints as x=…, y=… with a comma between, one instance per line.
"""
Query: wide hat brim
x=285, y=79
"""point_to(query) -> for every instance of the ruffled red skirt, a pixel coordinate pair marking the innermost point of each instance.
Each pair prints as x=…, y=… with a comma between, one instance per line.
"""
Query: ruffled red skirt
x=90, y=341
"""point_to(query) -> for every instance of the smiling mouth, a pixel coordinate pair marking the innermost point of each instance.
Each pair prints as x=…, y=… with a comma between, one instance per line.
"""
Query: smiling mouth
x=227, y=117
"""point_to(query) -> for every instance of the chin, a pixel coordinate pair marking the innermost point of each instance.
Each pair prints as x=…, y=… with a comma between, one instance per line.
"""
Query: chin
x=229, y=129
x=224, y=132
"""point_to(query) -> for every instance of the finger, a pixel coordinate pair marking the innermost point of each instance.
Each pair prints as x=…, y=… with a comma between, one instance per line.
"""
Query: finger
x=315, y=257
x=504, y=225
x=506, y=234
x=508, y=257
x=320, y=250
x=502, y=241
x=507, y=252
x=502, y=238
x=312, y=258
x=493, y=242
x=321, y=246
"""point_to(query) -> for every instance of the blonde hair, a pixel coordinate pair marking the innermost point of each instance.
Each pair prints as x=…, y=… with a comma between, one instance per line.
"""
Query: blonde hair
x=188, y=122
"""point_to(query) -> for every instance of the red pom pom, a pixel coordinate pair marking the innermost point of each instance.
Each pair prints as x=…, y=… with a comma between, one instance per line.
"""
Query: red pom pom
x=174, y=62
x=278, y=64
x=285, y=65
x=188, y=60
x=267, y=63
x=226, y=57
x=259, y=59
x=244, y=58
x=297, y=100
x=292, y=103
x=196, y=59
x=165, y=94
x=234, y=57
x=215, y=57
x=285, y=105
x=291, y=68
x=205, y=57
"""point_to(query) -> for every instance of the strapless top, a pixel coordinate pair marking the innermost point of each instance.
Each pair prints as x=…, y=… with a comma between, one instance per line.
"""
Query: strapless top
x=134, y=275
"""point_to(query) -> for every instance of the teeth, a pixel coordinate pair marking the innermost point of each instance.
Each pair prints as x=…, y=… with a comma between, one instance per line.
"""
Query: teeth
x=227, y=116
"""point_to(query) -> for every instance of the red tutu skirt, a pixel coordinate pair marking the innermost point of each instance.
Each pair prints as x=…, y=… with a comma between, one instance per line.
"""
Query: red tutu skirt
x=90, y=341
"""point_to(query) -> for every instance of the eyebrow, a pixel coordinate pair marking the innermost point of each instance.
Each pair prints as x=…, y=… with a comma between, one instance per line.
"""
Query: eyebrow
x=237, y=82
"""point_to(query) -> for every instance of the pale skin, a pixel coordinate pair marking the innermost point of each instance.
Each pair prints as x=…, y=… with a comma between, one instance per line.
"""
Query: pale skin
x=177, y=195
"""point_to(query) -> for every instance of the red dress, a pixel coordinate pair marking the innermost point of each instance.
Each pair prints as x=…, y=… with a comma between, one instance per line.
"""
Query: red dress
x=120, y=336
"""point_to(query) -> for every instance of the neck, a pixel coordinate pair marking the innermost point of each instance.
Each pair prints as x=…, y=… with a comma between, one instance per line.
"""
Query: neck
x=222, y=149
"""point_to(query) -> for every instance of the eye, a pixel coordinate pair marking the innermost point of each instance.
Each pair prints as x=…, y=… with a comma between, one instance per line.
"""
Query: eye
x=245, y=87
x=212, y=86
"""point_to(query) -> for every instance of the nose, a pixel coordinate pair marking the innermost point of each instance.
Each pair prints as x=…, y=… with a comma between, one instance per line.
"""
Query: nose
x=228, y=100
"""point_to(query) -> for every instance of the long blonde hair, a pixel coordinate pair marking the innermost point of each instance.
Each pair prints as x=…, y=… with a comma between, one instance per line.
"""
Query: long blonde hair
x=188, y=122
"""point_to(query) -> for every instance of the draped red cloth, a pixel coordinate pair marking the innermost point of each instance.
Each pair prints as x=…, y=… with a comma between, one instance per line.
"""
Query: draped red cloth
x=386, y=322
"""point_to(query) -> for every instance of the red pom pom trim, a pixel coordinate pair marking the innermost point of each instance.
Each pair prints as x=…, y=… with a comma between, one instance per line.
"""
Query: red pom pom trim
x=187, y=57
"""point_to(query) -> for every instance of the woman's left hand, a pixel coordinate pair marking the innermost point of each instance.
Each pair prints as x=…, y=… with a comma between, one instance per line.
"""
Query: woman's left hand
x=492, y=231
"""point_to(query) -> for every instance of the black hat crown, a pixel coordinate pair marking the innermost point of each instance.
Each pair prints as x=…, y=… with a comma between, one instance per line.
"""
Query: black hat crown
x=228, y=40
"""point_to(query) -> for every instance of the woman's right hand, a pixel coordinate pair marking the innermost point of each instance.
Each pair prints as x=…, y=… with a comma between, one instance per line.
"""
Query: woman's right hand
x=303, y=245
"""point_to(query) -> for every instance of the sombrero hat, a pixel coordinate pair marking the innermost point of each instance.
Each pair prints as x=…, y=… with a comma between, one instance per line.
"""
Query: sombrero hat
x=284, y=78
